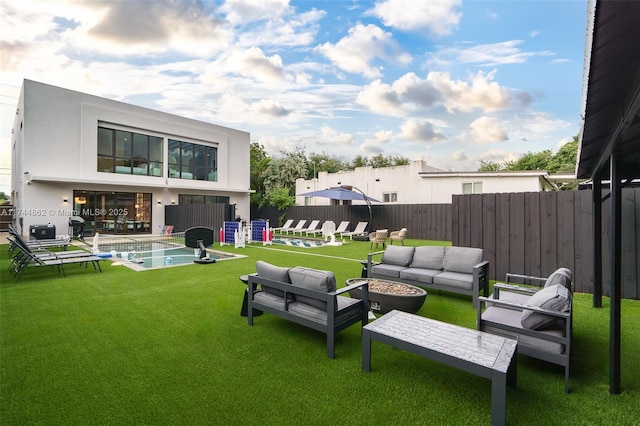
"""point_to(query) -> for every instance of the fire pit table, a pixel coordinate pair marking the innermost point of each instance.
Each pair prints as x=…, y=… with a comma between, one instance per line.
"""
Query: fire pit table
x=386, y=295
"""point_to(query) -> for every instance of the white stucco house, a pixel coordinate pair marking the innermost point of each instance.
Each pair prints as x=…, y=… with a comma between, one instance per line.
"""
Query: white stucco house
x=117, y=165
x=418, y=183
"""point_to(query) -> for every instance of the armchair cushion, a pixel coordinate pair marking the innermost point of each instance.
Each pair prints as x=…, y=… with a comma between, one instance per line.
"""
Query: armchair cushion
x=555, y=298
x=400, y=256
x=272, y=272
x=313, y=279
x=461, y=259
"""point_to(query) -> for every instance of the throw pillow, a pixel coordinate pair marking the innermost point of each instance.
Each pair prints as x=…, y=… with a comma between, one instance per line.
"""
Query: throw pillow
x=562, y=276
x=554, y=298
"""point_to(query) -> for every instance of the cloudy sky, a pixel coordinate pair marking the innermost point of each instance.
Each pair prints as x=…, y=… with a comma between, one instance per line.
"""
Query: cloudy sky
x=451, y=82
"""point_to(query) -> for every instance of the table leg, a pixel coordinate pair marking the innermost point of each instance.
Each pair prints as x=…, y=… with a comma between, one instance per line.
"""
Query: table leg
x=498, y=398
x=366, y=350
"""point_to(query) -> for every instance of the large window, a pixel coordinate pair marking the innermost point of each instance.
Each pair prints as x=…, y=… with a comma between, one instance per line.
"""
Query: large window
x=121, y=151
x=192, y=161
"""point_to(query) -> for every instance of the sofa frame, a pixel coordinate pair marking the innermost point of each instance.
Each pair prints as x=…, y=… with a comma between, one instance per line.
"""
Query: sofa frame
x=336, y=319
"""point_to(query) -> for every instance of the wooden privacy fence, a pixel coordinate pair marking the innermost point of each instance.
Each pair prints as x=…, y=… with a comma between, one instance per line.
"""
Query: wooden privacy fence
x=423, y=221
x=534, y=233
x=183, y=217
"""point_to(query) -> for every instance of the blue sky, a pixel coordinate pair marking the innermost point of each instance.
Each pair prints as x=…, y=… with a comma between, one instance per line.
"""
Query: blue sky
x=451, y=82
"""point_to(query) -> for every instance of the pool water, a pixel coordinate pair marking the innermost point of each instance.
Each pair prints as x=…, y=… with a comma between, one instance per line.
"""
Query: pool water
x=166, y=258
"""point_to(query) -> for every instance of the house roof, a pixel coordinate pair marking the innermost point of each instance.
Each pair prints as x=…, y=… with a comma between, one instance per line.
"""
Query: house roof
x=611, y=90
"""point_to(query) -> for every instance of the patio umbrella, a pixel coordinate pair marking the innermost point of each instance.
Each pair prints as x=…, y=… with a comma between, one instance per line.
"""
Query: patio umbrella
x=342, y=193
x=339, y=194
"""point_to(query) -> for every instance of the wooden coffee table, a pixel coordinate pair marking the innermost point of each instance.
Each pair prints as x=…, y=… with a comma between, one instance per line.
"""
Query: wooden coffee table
x=476, y=352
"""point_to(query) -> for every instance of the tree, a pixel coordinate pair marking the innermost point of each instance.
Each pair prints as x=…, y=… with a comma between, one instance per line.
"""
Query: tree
x=281, y=174
x=259, y=162
x=324, y=163
x=564, y=161
x=490, y=166
x=378, y=161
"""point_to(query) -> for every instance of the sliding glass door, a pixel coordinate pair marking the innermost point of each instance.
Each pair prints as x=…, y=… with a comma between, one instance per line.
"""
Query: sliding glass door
x=113, y=212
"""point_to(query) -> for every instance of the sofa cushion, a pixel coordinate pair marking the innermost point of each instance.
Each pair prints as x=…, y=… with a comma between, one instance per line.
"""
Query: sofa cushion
x=319, y=315
x=428, y=257
x=397, y=255
x=313, y=279
x=454, y=279
x=383, y=270
x=511, y=317
x=562, y=276
x=461, y=259
x=275, y=273
x=419, y=275
x=555, y=298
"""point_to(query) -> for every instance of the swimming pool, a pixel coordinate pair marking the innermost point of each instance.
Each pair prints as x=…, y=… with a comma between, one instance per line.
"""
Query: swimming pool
x=166, y=258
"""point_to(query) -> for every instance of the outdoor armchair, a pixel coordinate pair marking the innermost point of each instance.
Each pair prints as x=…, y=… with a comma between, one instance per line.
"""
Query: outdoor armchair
x=398, y=236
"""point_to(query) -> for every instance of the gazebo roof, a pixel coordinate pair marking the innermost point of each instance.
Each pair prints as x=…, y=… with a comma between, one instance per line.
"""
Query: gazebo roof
x=611, y=92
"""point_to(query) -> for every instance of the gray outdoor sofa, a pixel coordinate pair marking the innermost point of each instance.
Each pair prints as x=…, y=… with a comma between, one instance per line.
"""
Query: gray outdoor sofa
x=540, y=318
x=455, y=269
x=308, y=297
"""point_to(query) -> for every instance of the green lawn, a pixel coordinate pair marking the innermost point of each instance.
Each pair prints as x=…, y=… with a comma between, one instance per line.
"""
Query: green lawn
x=168, y=346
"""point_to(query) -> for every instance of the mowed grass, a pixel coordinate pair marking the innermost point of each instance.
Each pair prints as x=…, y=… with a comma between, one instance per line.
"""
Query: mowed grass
x=169, y=346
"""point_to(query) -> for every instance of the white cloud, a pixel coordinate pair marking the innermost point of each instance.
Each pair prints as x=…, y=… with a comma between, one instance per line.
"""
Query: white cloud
x=253, y=62
x=332, y=136
x=240, y=12
x=145, y=28
x=486, y=55
x=459, y=156
x=439, y=17
x=375, y=144
x=420, y=131
x=487, y=129
x=355, y=52
x=410, y=93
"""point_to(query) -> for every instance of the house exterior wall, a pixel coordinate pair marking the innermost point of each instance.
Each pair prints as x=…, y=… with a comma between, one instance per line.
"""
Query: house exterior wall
x=55, y=151
x=418, y=183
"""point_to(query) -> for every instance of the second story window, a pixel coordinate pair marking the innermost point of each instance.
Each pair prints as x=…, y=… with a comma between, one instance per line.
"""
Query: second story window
x=121, y=151
x=192, y=161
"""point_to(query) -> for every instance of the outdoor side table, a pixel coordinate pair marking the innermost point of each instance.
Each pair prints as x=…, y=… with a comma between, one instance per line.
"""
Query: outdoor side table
x=245, y=301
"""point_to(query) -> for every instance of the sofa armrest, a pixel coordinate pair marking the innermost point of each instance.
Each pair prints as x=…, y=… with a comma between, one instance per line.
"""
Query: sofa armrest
x=370, y=262
x=480, y=280
x=519, y=307
x=500, y=287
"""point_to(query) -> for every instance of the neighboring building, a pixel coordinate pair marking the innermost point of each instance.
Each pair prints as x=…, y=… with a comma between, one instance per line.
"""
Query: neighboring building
x=417, y=183
x=117, y=165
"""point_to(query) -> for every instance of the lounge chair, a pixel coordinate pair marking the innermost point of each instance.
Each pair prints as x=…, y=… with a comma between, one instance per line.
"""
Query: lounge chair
x=398, y=236
x=361, y=228
x=286, y=225
x=26, y=258
x=312, y=227
x=300, y=225
x=341, y=228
